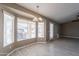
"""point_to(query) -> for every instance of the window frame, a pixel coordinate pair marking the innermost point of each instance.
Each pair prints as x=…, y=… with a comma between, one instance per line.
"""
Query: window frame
x=51, y=24
x=43, y=29
x=34, y=23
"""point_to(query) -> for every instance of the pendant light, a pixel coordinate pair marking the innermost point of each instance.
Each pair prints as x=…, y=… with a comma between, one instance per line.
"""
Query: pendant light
x=37, y=19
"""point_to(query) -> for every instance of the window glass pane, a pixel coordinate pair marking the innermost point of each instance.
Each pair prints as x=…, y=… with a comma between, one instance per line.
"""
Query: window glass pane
x=22, y=27
x=41, y=29
x=25, y=29
x=8, y=28
x=33, y=29
x=51, y=30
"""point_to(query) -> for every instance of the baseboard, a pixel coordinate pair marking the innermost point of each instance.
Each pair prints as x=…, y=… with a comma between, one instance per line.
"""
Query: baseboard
x=71, y=37
x=23, y=47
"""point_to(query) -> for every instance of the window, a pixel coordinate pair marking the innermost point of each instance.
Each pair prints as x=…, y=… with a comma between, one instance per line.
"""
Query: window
x=51, y=30
x=22, y=27
x=41, y=29
x=25, y=29
x=8, y=28
x=33, y=29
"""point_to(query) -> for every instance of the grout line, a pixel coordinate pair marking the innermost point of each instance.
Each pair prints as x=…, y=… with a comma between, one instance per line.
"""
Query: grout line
x=22, y=47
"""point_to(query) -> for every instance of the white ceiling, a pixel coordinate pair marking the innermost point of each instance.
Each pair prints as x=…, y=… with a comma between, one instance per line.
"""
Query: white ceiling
x=60, y=12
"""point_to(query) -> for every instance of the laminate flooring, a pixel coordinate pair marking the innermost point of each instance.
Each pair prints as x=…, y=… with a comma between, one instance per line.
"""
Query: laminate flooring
x=60, y=47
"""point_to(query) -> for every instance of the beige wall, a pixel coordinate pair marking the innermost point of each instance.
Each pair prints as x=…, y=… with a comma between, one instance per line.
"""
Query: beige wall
x=70, y=29
x=7, y=49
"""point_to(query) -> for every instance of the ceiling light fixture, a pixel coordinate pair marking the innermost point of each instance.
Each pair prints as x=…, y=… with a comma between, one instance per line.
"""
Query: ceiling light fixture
x=37, y=19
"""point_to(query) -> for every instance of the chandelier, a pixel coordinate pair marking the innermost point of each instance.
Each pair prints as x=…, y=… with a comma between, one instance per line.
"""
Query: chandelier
x=37, y=19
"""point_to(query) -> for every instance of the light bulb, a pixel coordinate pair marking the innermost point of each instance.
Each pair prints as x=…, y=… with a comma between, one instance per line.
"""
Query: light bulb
x=35, y=19
x=40, y=19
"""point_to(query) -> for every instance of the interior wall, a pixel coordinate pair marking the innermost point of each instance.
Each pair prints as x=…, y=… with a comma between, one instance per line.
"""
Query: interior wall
x=70, y=29
x=1, y=34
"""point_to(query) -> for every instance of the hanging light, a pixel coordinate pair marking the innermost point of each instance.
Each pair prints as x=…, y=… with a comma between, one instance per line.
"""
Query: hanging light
x=40, y=19
x=37, y=18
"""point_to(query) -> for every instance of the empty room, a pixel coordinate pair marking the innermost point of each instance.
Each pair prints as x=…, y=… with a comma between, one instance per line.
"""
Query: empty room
x=39, y=29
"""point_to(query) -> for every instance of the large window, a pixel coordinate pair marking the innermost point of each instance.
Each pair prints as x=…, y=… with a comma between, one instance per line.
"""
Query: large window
x=40, y=29
x=8, y=28
x=22, y=27
x=33, y=29
x=51, y=30
x=25, y=29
